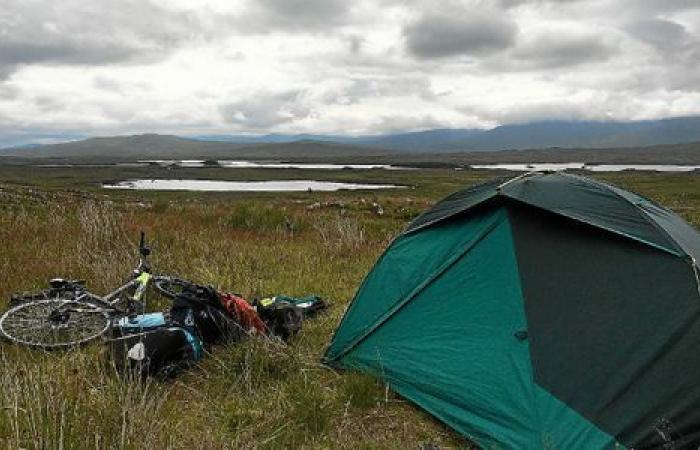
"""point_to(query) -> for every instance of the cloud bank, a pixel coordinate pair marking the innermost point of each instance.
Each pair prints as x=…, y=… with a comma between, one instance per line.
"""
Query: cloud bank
x=332, y=66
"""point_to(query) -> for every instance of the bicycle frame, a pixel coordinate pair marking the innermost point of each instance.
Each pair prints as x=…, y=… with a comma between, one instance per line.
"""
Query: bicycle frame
x=142, y=278
x=69, y=314
x=140, y=283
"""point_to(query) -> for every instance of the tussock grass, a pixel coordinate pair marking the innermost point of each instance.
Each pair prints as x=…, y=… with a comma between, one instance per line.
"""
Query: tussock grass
x=259, y=394
x=265, y=218
x=74, y=401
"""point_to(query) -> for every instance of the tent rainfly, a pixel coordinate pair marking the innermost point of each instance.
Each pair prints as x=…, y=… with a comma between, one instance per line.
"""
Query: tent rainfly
x=546, y=310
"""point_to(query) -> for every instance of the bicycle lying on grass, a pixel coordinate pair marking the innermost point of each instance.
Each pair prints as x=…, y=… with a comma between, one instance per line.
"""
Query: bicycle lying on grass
x=68, y=315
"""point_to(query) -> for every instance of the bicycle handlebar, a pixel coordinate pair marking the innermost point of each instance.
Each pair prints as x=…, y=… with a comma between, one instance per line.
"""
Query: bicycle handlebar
x=144, y=251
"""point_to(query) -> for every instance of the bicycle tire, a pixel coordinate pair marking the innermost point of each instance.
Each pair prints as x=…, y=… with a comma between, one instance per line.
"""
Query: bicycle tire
x=171, y=287
x=54, y=324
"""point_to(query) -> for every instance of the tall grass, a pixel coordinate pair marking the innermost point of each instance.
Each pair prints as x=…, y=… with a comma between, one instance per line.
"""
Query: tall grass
x=341, y=231
x=73, y=401
x=257, y=394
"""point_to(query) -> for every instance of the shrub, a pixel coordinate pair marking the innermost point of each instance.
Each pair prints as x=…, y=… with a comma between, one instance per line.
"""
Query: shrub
x=261, y=218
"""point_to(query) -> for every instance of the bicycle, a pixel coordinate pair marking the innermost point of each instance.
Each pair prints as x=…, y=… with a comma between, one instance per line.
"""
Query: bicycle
x=68, y=315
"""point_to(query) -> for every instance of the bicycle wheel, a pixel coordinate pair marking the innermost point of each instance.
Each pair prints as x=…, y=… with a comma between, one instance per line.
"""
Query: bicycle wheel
x=171, y=287
x=54, y=324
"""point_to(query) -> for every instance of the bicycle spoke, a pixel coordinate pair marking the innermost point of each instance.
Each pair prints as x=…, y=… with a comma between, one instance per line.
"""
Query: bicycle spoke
x=54, y=323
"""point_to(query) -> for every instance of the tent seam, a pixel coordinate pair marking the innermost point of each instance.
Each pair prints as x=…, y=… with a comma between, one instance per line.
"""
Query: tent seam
x=533, y=385
x=594, y=225
x=493, y=195
x=325, y=359
x=516, y=179
x=498, y=192
x=659, y=228
x=651, y=220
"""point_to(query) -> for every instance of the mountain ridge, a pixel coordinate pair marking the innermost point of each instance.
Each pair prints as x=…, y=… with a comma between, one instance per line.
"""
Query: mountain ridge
x=530, y=135
x=552, y=136
x=516, y=136
x=153, y=147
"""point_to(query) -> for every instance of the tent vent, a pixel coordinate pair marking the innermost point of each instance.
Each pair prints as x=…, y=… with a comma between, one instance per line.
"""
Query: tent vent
x=521, y=335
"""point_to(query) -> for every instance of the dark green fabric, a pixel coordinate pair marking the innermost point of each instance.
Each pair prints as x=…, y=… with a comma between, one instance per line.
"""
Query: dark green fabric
x=593, y=203
x=676, y=229
x=453, y=350
x=589, y=201
x=543, y=311
x=614, y=326
x=456, y=203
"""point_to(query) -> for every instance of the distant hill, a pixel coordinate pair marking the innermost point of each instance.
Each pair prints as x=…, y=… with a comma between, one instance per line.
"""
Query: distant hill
x=533, y=135
x=155, y=146
x=682, y=154
x=542, y=134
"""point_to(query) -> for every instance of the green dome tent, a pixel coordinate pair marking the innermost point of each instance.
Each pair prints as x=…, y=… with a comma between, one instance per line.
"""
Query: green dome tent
x=543, y=311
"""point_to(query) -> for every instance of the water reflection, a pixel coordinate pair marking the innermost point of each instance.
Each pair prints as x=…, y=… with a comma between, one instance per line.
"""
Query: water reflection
x=243, y=186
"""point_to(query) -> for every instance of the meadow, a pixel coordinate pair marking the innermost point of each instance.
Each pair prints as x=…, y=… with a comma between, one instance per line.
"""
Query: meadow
x=256, y=394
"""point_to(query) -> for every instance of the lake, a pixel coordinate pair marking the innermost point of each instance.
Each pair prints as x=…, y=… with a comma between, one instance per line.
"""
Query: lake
x=589, y=167
x=244, y=186
x=240, y=164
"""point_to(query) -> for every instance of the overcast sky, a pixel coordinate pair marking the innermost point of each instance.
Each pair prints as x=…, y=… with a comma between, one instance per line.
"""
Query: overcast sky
x=340, y=66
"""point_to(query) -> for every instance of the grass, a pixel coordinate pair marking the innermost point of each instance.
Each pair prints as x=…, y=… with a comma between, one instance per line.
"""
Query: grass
x=253, y=395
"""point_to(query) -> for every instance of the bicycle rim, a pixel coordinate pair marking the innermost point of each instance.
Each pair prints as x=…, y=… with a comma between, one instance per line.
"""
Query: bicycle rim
x=171, y=287
x=31, y=323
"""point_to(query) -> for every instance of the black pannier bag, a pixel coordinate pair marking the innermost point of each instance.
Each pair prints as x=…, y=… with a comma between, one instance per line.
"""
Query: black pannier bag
x=283, y=319
x=198, y=309
x=146, y=345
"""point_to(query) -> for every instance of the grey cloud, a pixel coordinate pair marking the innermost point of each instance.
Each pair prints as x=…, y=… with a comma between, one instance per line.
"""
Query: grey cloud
x=665, y=35
x=678, y=50
x=108, y=84
x=681, y=78
x=401, y=86
x=266, y=109
x=87, y=32
x=390, y=61
x=514, y=3
x=551, y=110
x=630, y=7
x=49, y=104
x=355, y=43
x=115, y=86
x=361, y=62
x=401, y=123
x=6, y=70
x=12, y=135
x=8, y=92
x=555, y=50
x=472, y=33
x=296, y=15
x=660, y=6
x=684, y=80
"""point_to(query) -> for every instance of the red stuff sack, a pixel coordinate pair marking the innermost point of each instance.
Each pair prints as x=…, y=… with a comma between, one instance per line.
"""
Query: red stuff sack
x=248, y=318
